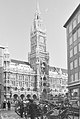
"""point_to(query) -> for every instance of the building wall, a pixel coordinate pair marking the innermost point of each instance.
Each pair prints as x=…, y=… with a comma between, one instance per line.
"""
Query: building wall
x=18, y=78
x=73, y=54
x=73, y=41
x=1, y=74
x=58, y=80
x=38, y=54
x=73, y=50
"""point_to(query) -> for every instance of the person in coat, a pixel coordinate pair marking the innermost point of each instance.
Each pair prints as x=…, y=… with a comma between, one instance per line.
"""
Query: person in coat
x=21, y=109
x=9, y=105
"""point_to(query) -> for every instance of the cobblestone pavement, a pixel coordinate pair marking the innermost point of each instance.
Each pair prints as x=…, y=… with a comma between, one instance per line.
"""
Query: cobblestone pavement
x=74, y=117
x=4, y=114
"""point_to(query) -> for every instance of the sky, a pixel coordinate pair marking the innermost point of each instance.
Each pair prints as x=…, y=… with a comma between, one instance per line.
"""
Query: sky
x=16, y=17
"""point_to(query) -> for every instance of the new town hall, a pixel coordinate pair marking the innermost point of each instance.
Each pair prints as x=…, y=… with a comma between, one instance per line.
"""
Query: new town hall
x=35, y=77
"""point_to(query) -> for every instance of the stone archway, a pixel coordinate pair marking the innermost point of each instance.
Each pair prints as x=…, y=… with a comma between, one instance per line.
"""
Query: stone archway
x=34, y=96
x=15, y=96
x=22, y=96
x=28, y=96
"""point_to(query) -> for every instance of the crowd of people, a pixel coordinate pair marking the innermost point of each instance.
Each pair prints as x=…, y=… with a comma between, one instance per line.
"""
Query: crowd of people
x=34, y=108
x=38, y=108
x=31, y=108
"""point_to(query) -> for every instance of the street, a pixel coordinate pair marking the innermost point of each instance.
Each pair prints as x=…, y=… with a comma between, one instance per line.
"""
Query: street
x=4, y=114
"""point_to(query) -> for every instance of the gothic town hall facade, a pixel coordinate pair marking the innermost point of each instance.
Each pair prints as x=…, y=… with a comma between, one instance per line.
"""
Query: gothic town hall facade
x=35, y=77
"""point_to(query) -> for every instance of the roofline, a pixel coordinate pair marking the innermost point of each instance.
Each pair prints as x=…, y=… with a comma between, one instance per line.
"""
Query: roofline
x=72, y=15
x=19, y=61
x=57, y=67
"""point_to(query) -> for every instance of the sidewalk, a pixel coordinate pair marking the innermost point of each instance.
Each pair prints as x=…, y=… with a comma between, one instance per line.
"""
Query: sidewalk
x=9, y=114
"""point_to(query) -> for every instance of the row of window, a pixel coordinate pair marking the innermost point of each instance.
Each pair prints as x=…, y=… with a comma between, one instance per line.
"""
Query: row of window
x=57, y=81
x=75, y=36
x=74, y=77
x=74, y=50
x=74, y=23
x=74, y=64
x=20, y=77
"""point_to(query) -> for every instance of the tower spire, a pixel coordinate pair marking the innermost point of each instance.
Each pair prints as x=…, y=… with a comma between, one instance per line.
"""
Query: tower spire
x=37, y=14
x=37, y=7
x=38, y=22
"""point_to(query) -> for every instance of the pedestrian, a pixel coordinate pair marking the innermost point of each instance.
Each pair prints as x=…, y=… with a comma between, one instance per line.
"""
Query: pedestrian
x=4, y=104
x=9, y=105
x=21, y=109
x=45, y=109
x=32, y=109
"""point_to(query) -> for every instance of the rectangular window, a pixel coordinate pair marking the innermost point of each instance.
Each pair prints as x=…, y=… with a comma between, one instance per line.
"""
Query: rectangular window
x=74, y=23
x=76, y=76
x=79, y=18
x=78, y=32
x=79, y=75
x=71, y=78
x=75, y=50
x=70, y=28
x=70, y=40
x=71, y=65
x=79, y=61
x=75, y=36
x=79, y=46
x=71, y=53
x=75, y=63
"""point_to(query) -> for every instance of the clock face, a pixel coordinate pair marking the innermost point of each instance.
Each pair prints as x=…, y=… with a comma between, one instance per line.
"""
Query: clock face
x=41, y=40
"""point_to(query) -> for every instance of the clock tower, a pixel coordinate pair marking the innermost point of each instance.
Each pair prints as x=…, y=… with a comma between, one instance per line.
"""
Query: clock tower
x=38, y=54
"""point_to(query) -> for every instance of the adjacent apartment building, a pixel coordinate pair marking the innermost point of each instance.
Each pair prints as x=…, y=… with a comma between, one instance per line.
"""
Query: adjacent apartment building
x=73, y=53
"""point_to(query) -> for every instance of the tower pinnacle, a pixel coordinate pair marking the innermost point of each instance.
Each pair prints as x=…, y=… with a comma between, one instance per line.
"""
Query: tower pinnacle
x=38, y=22
x=37, y=7
x=37, y=14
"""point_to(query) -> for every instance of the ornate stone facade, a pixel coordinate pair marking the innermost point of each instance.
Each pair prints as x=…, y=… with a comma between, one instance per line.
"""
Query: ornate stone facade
x=1, y=74
x=18, y=77
x=38, y=54
x=58, y=80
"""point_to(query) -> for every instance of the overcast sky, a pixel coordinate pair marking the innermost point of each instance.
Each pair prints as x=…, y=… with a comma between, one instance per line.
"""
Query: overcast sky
x=16, y=17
